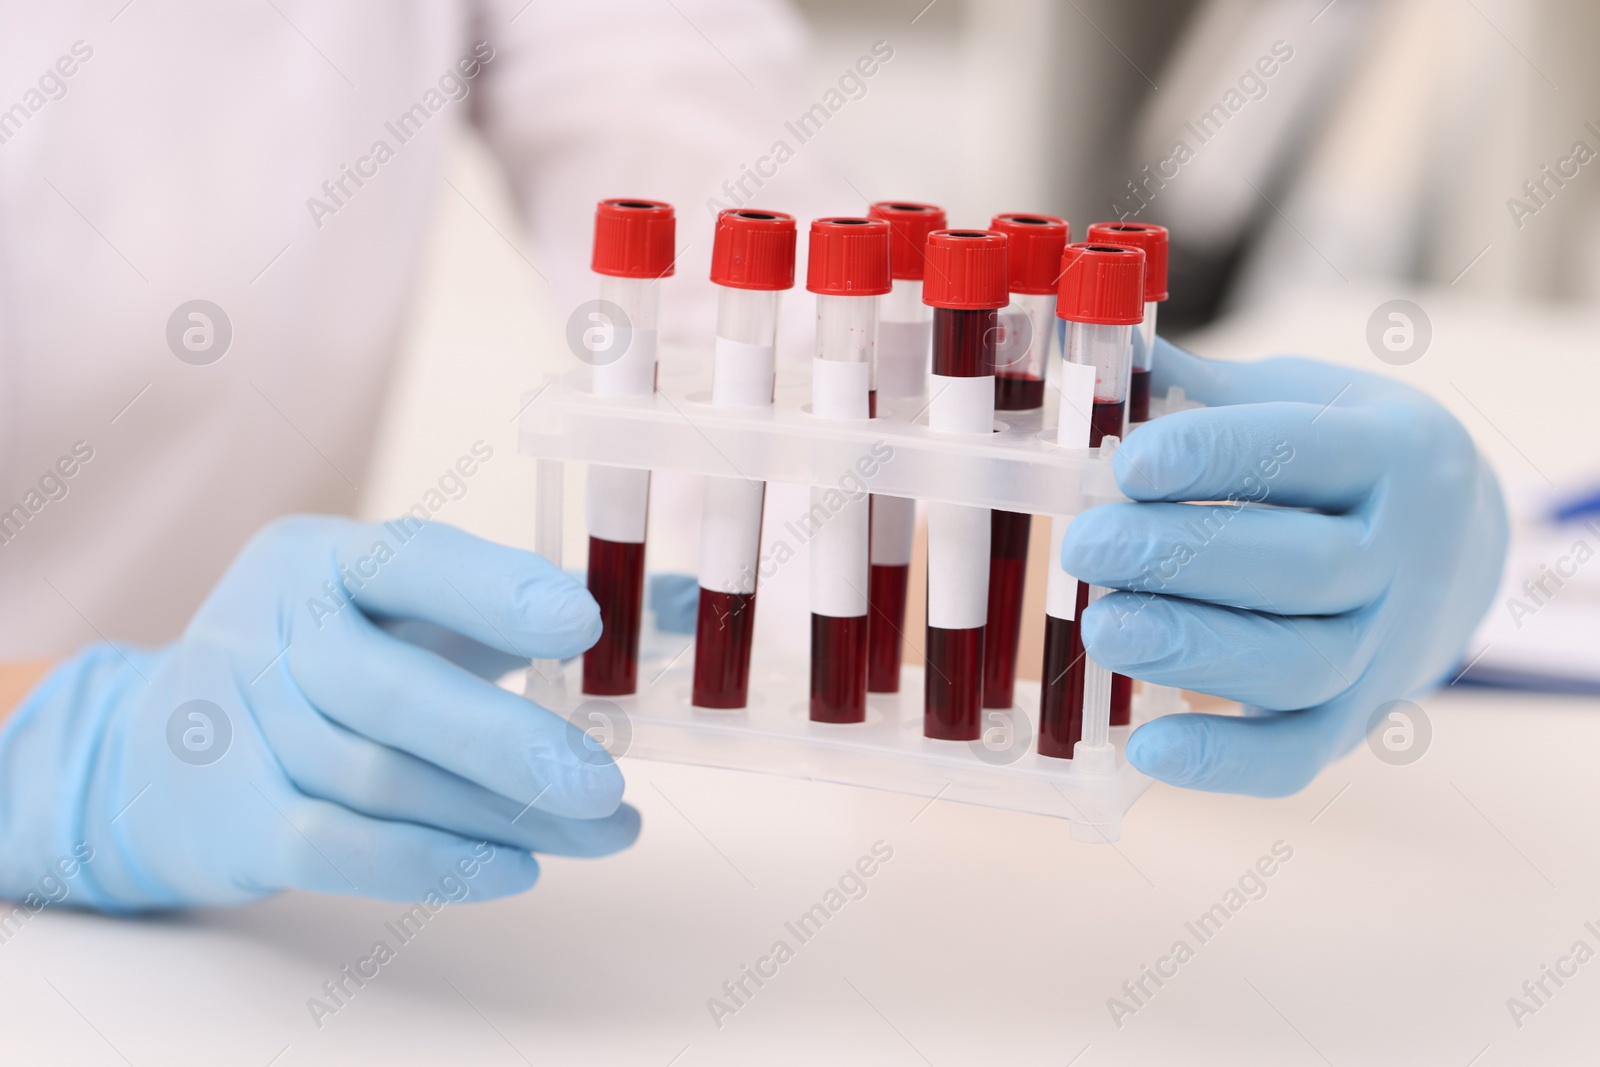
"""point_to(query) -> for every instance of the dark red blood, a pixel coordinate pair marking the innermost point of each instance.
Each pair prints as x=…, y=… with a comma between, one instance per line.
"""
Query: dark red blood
x=616, y=581
x=724, y=634
x=886, y=612
x=953, y=684
x=838, y=668
x=1008, y=566
x=1061, y=688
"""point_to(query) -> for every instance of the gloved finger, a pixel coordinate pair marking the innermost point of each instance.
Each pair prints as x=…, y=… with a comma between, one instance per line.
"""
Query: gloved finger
x=327, y=761
x=1292, y=454
x=1263, y=559
x=503, y=597
x=407, y=698
x=329, y=849
x=1216, y=382
x=1187, y=644
x=475, y=656
x=1266, y=755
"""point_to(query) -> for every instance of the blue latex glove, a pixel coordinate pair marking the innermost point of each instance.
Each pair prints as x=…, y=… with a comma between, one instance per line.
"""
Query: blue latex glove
x=359, y=762
x=1312, y=618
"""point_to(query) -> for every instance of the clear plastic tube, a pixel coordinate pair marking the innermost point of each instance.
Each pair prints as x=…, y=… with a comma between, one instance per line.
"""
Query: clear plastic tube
x=1061, y=680
x=841, y=388
x=1096, y=693
x=730, y=533
x=1065, y=697
x=1023, y=354
x=902, y=361
x=958, y=536
x=749, y=316
x=1008, y=573
x=1144, y=342
x=618, y=499
x=1111, y=351
x=1143, y=362
x=639, y=297
x=847, y=332
x=1108, y=349
x=903, y=303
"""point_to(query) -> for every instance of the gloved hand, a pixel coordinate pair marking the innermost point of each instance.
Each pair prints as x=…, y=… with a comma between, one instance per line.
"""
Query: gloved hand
x=290, y=739
x=1365, y=593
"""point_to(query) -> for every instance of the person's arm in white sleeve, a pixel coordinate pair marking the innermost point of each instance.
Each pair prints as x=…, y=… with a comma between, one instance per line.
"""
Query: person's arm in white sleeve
x=666, y=101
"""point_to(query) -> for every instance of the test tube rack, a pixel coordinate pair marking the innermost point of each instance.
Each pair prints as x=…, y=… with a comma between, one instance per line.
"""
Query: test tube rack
x=1018, y=468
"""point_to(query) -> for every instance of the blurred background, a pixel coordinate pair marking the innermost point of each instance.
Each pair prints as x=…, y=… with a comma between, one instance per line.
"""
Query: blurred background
x=1312, y=159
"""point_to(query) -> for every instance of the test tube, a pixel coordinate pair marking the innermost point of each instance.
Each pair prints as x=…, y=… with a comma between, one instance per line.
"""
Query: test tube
x=633, y=249
x=966, y=287
x=848, y=269
x=1021, y=356
x=904, y=332
x=752, y=263
x=1153, y=240
x=1029, y=320
x=1100, y=297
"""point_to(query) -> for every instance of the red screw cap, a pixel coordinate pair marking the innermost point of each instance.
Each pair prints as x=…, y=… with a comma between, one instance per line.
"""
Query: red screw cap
x=753, y=249
x=1102, y=284
x=1145, y=235
x=968, y=270
x=909, y=226
x=634, y=239
x=848, y=257
x=1036, y=244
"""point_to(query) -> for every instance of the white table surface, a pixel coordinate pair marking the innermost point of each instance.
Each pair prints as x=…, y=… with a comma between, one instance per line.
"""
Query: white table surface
x=1418, y=899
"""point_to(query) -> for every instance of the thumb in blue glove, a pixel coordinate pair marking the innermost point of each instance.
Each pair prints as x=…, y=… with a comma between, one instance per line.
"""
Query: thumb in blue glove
x=1358, y=540
x=290, y=738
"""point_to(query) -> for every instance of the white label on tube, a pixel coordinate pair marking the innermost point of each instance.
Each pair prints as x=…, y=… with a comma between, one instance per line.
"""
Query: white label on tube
x=1076, y=383
x=839, y=556
x=961, y=405
x=958, y=566
x=730, y=535
x=894, y=527
x=839, y=389
x=634, y=372
x=1061, y=588
x=617, y=503
x=903, y=357
x=742, y=374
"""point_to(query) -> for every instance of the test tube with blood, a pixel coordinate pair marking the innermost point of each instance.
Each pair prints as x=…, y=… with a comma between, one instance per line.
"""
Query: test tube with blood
x=1153, y=240
x=904, y=332
x=966, y=287
x=633, y=250
x=848, y=269
x=1100, y=297
x=1021, y=357
x=752, y=263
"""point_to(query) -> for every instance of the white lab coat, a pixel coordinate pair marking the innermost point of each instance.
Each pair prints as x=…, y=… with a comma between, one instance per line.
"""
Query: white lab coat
x=184, y=158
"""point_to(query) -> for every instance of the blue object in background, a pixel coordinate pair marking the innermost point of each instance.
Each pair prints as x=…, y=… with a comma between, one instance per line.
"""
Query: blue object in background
x=1577, y=508
x=675, y=601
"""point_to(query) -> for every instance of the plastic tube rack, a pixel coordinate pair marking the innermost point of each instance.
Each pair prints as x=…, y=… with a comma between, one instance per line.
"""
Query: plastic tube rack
x=1018, y=468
